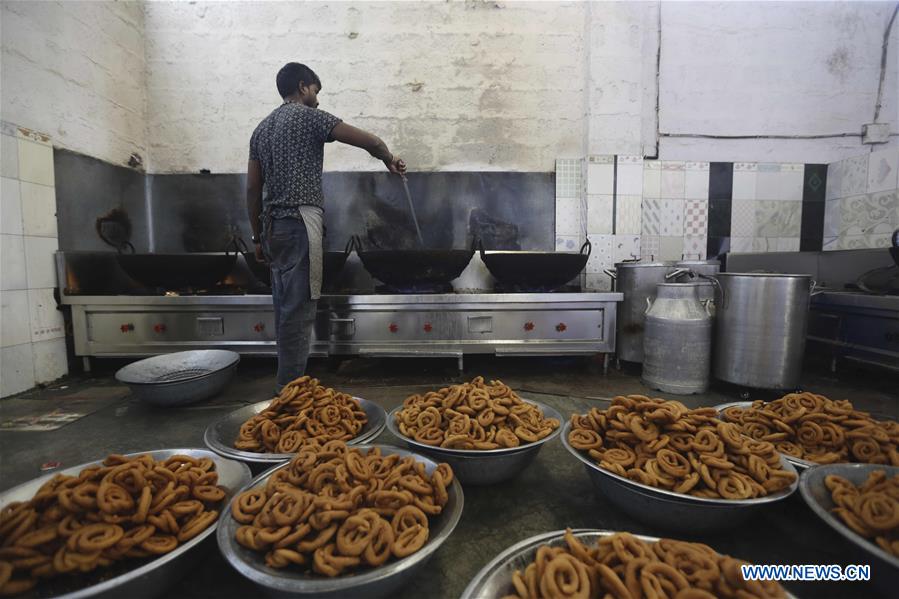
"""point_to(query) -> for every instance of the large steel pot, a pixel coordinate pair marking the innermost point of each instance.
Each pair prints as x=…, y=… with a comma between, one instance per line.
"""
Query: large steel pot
x=677, y=342
x=760, y=330
x=637, y=281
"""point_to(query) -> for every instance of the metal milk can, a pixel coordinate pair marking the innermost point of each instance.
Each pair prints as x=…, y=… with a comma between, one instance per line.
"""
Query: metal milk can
x=699, y=271
x=677, y=340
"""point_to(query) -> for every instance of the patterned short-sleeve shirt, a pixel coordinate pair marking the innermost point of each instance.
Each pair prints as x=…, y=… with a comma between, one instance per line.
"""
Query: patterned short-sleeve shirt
x=290, y=145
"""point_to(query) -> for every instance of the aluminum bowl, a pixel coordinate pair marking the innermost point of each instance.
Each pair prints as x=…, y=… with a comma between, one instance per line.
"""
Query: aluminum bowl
x=495, y=579
x=800, y=463
x=375, y=582
x=884, y=566
x=149, y=579
x=670, y=510
x=221, y=434
x=180, y=378
x=477, y=466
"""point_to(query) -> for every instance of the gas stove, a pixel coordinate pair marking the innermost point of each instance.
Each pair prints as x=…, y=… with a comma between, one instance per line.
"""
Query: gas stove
x=385, y=322
x=857, y=326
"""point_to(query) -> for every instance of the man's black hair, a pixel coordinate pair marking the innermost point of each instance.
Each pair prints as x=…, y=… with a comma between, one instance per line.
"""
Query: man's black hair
x=291, y=74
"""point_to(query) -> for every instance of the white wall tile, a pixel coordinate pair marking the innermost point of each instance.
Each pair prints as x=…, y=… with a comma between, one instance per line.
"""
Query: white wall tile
x=10, y=207
x=568, y=216
x=741, y=245
x=39, y=210
x=569, y=177
x=831, y=243
x=625, y=247
x=883, y=170
x=600, y=253
x=36, y=162
x=50, y=361
x=782, y=184
x=40, y=261
x=14, y=328
x=46, y=320
x=652, y=179
x=744, y=185
x=568, y=243
x=672, y=180
x=16, y=369
x=599, y=214
x=834, y=188
x=12, y=262
x=742, y=218
x=600, y=177
x=9, y=157
x=832, y=218
x=630, y=178
x=791, y=183
x=628, y=215
x=787, y=244
x=696, y=183
x=671, y=248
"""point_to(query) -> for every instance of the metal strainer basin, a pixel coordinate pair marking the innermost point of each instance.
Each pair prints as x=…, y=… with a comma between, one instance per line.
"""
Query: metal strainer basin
x=180, y=378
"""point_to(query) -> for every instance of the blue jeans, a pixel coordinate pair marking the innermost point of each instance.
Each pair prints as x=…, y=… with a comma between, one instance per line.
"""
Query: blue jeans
x=286, y=246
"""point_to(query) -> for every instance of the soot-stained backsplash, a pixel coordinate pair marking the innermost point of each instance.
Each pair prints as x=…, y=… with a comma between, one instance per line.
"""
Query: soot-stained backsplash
x=195, y=213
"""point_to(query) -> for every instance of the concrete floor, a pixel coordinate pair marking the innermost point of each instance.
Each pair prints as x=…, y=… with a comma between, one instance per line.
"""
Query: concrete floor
x=552, y=493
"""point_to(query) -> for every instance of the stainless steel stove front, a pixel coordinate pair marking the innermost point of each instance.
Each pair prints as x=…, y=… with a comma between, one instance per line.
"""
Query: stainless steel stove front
x=448, y=325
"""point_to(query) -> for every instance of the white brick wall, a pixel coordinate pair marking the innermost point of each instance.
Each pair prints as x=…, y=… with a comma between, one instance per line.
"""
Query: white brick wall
x=75, y=70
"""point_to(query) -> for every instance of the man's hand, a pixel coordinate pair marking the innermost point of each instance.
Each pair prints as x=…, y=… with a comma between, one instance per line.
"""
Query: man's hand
x=260, y=257
x=395, y=165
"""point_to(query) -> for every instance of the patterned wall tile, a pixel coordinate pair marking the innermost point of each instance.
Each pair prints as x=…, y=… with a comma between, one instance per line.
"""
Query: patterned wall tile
x=696, y=218
x=600, y=253
x=857, y=242
x=569, y=183
x=600, y=174
x=787, y=244
x=764, y=244
x=650, y=247
x=652, y=179
x=695, y=247
x=628, y=214
x=855, y=176
x=630, y=175
x=742, y=218
x=868, y=214
x=598, y=282
x=599, y=214
x=696, y=181
x=831, y=243
x=568, y=243
x=663, y=217
x=777, y=218
x=883, y=167
x=568, y=216
x=741, y=245
x=672, y=180
x=625, y=247
x=671, y=248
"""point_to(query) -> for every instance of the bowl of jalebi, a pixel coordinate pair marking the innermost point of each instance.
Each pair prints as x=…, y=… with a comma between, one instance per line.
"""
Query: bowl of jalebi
x=809, y=429
x=270, y=432
x=861, y=503
x=341, y=520
x=598, y=563
x=485, y=431
x=125, y=526
x=676, y=468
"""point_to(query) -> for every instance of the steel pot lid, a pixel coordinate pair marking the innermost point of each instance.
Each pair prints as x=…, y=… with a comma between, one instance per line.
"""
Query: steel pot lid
x=668, y=264
x=764, y=275
x=698, y=263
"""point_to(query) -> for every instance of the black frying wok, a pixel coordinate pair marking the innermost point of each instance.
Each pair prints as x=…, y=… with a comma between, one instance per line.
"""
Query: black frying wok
x=409, y=268
x=178, y=271
x=332, y=264
x=535, y=270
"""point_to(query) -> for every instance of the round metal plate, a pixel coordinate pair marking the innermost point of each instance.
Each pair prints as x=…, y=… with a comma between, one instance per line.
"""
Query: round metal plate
x=374, y=582
x=176, y=367
x=221, y=434
x=151, y=577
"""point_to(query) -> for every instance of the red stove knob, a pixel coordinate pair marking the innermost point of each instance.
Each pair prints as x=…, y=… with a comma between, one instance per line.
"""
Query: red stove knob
x=561, y=327
x=259, y=327
x=428, y=328
x=529, y=326
x=127, y=327
x=159, y=328
x=393, y=328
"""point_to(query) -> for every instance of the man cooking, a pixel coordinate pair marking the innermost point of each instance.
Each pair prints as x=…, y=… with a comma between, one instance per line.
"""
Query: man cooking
x=286, y=153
